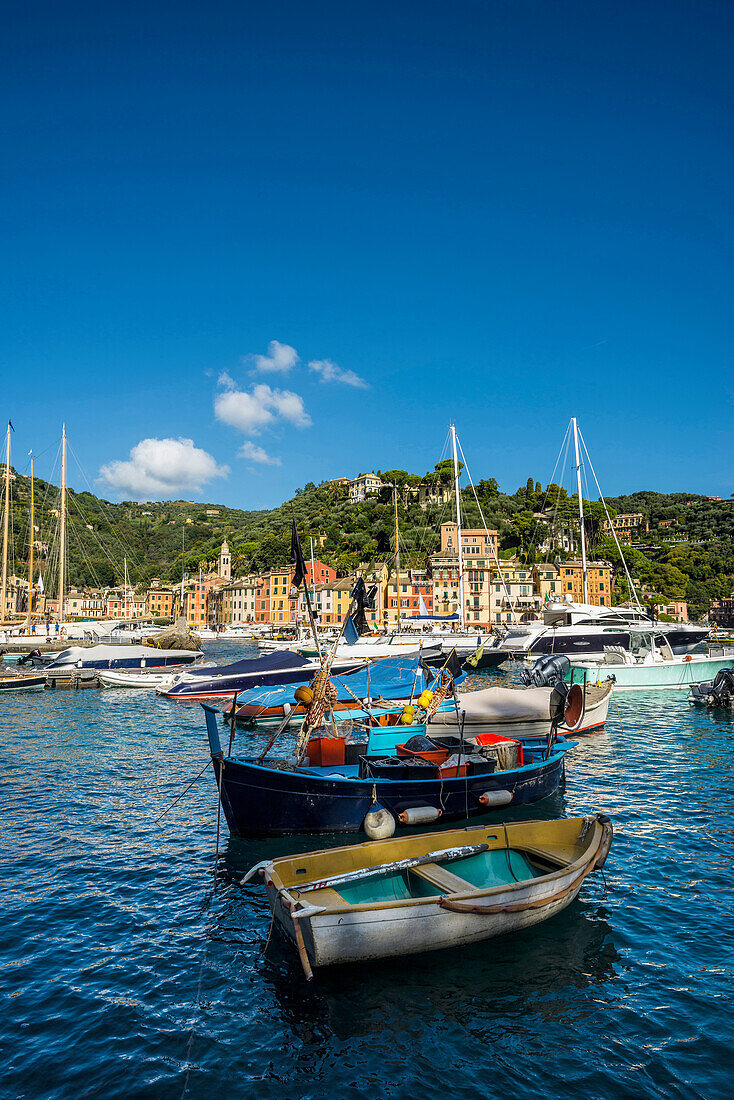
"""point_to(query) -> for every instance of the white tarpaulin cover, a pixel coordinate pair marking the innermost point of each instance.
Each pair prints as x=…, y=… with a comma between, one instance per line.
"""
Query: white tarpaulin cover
x=499, y=704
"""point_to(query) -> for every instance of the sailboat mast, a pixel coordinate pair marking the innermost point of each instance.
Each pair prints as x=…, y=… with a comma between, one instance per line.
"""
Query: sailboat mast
x=124, y=583
x=30, y=554
x=62, y=527
x=581, y=509
x=5, y=526
x=397, y=556
x=460, y=549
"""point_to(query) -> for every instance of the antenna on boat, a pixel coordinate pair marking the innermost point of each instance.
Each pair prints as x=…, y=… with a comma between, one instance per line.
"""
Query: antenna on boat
x=458, y=527
x=581, y=509
x=6, y=520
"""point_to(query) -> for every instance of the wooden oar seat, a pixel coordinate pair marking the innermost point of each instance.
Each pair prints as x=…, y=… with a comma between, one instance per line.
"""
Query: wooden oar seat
x=441, y=877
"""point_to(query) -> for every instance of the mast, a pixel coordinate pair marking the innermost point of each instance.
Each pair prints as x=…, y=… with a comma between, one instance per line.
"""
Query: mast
x=30, y=555
x=397, y=556
x=124, y=584
x=458, y=528
x=62, y=527
x=581, y=509
x=183, y=534
x=6, y=519
x=313, y=576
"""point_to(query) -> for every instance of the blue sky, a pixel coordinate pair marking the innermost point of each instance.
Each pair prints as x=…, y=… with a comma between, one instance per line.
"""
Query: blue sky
x=305, y=237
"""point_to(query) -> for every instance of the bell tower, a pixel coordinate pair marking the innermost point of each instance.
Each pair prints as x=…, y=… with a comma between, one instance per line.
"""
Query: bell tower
x=225, y=562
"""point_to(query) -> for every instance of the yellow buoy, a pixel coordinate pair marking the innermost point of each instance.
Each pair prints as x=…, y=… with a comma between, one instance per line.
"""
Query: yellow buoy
x=407, y=716
x=304, y=695
x=425, y=698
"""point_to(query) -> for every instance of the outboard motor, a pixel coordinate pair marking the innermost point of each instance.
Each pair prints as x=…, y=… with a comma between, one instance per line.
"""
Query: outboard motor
x=721, y=690
x=547, y=671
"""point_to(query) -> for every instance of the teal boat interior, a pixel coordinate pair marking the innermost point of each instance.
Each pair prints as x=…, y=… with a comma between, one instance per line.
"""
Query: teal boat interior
x=482, y=871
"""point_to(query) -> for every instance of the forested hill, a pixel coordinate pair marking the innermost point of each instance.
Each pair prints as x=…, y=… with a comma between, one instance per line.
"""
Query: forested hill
x=687, y=551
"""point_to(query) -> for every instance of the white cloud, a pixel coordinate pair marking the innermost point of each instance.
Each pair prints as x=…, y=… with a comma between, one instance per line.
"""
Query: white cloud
x=280, y=359
x=258, y=408
x=258, y=454
x=329, y=371
x=160, y=468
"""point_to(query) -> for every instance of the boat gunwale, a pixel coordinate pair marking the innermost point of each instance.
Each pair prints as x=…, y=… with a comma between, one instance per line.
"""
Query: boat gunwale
x=558, y=753
x=282, y=891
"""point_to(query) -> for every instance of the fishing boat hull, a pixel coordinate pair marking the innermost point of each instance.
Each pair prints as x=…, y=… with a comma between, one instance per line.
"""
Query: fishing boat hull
x=328, y=931
x=258, y=800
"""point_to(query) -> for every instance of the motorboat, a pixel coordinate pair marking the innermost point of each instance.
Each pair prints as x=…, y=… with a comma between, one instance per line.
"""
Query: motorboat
x=17, y=681
x=718, y=692
x=649, y=663
x=584, y=630
x=119, y=657
x=398, y=897
x=229, y=680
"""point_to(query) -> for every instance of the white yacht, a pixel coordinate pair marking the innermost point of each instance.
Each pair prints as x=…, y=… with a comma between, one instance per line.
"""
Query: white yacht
x=584, y=630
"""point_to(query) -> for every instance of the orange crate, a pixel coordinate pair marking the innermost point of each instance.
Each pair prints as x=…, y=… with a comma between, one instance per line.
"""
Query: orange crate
x=433, y=756
x=326, y=752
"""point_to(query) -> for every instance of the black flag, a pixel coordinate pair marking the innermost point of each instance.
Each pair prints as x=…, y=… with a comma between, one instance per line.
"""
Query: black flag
x=383, y=543
x=297, y=558
x=359, y=595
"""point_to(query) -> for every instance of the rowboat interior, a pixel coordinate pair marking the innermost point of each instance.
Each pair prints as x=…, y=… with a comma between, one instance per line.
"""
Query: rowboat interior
x=431, y=891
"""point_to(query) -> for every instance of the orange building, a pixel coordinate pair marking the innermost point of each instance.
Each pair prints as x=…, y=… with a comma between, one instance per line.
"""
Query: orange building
x=599, y=578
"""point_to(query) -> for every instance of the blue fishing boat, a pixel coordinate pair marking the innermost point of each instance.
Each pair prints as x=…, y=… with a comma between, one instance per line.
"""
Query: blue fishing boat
x=302, y=797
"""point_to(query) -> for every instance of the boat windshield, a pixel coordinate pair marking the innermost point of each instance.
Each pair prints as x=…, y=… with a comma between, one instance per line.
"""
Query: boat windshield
x=640, y=644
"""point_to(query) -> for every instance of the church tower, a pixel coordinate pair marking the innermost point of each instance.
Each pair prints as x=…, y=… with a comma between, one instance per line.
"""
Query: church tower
x=225, y=562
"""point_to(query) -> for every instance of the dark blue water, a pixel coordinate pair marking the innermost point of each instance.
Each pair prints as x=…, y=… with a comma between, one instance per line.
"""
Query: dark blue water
x=126, y=974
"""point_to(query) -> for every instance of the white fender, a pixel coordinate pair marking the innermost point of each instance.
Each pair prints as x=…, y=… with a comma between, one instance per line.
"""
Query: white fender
x=495, y=798
x=419, y=815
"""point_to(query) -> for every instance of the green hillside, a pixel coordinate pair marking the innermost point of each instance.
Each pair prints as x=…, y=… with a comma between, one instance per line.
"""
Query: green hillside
x=690, y=557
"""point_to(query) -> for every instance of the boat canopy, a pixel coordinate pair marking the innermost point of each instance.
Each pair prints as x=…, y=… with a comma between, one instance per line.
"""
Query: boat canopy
x=282, y=659
x=119, y=656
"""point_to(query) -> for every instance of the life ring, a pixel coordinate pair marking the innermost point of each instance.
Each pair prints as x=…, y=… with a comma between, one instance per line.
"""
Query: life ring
x=688, y=657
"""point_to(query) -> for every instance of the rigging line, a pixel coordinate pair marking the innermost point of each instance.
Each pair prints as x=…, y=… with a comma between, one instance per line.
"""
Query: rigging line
x=560, y=482
x=115, y=564
x=632, y=588
x=494, y=552
x=552, y=481
x=128, y=548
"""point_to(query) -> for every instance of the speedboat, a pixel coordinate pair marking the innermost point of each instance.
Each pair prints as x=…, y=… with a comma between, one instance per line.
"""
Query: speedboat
x=390, y=898
x=649, y=663
x=230, y=680
x=120, y=657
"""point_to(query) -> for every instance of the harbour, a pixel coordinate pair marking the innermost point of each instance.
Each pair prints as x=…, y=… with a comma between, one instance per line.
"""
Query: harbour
x=119, y=947
x=366, y=552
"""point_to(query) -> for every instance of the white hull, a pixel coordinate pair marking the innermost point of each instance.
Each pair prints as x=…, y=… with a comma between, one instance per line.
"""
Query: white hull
x=675, y=675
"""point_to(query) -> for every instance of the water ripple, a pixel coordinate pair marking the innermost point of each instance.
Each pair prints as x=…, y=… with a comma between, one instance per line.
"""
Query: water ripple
x=124, y=973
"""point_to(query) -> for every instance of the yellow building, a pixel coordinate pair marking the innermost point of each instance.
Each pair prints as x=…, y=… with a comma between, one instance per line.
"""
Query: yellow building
x=280, y=601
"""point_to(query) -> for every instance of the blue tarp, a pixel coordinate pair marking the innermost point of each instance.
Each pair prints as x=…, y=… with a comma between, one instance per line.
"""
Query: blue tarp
x=391, y=677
